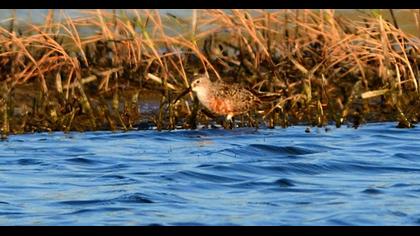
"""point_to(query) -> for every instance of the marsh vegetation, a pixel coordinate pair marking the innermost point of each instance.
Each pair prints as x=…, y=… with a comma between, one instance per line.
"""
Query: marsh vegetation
x=93, y=72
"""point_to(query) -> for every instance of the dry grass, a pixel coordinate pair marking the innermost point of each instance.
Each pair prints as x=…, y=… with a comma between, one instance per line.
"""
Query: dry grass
x=326, y=68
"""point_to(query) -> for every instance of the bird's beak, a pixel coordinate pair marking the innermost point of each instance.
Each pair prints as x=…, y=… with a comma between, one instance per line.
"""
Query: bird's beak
x=181, y=95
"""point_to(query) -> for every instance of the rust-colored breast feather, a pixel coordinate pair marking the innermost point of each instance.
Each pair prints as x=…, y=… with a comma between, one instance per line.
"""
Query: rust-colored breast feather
x=232, y=99
x=220, y=106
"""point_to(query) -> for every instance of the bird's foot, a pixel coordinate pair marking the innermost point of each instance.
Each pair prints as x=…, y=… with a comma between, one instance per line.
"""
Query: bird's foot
x=229, y=123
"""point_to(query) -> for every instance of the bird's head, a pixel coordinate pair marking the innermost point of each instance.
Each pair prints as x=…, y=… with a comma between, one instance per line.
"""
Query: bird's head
x=200, y=84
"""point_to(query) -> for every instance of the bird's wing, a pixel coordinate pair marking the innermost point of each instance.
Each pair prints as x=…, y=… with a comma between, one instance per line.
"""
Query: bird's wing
x=242, y=98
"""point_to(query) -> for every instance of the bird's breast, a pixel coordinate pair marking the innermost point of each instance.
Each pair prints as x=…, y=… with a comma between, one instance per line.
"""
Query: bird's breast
x=220, y=106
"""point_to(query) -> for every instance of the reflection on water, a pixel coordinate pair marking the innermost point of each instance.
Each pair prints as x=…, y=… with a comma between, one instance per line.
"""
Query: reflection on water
x=368, y=176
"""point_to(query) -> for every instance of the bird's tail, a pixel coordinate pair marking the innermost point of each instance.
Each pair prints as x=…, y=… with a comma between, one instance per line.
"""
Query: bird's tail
x=268, y=96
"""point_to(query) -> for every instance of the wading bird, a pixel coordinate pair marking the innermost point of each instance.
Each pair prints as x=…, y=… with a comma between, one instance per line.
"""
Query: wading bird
x=222, y=98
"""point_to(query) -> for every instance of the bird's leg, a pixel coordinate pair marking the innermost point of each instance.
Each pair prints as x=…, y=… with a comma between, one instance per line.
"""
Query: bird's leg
x=256, y=121
x=229, y=117
x=229, y=123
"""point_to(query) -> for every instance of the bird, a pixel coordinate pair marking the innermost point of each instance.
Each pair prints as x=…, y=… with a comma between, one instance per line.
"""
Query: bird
x=224, y=99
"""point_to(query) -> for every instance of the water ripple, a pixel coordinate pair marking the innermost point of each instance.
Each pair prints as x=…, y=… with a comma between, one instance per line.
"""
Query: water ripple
x=367, y=176
x=288, y=150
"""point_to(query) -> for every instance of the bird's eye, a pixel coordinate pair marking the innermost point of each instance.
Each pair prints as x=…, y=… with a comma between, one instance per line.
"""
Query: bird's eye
x=198, y=81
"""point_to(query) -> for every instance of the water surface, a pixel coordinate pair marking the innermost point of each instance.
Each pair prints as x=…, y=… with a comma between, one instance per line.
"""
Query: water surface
x=368, y=176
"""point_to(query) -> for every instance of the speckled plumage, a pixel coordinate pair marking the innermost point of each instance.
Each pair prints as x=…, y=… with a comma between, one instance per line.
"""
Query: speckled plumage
x=222, y=98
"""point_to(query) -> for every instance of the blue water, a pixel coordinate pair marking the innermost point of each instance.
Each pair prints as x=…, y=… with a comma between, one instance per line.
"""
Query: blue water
x=368, y=176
